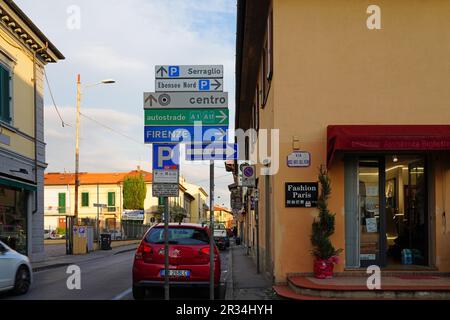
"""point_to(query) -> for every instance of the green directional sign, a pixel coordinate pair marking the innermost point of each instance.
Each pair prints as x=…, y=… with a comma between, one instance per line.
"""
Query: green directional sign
x=173, y=117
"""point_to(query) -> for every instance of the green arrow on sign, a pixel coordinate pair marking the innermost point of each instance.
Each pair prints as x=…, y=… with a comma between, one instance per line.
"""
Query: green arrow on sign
x=173, y=117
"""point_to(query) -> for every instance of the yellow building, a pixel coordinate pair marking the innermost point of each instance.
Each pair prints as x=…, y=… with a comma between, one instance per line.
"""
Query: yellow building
x=24, y=52
x=223, y=216
x=106, y=189
x=363, y=91
x=198, y=206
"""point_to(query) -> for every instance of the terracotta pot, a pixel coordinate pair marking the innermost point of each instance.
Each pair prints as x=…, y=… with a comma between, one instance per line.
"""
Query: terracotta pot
x=323, y=269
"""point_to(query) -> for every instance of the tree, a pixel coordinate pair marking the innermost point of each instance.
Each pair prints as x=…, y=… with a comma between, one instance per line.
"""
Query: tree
x=323, y=228
x=176, y=213
x=134, y=192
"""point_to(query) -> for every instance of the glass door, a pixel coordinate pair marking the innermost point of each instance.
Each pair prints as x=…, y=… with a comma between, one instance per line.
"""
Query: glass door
x=416, y=213
x=371, y=206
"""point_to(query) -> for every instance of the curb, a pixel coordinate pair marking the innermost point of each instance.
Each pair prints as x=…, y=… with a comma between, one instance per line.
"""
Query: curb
x=123, y=251
x=229, y=288
x=51, y=266
x=64, y=264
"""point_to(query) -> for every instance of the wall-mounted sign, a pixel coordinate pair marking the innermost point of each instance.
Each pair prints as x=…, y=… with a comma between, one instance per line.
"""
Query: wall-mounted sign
x=133, y=215
x=301, y=194
x=248, y=176
x=299, y=159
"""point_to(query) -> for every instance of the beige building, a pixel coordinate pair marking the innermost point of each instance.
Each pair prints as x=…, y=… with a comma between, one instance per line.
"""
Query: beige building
x=24, y=53
x=107, y=189
x=364, y=92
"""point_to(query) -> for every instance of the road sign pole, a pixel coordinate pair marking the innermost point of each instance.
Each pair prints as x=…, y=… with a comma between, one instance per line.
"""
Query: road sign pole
x=166, y=249
x=211, y=224
x=97, y=223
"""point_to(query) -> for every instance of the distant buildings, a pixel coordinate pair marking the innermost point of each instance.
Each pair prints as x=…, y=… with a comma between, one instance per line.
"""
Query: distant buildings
x=106, y=189
x=24, y=52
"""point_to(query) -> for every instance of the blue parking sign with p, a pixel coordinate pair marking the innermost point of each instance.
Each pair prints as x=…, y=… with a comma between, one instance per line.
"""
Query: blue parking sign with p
x=174, y=71
x=166, y=156
x=203, y=85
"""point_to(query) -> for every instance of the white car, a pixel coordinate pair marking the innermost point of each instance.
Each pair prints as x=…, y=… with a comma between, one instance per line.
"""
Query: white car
x=15, y=271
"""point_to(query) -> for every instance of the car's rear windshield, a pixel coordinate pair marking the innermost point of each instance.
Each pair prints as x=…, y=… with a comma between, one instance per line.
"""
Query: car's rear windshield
x=179, y=235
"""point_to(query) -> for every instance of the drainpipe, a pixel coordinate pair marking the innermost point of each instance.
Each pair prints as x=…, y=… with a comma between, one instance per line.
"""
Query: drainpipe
x=35, y=128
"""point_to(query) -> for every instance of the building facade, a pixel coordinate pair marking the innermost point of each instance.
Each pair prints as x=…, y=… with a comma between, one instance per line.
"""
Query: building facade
x=24, y=53
x=361, y=90
x=106, y=189
x=223, y=216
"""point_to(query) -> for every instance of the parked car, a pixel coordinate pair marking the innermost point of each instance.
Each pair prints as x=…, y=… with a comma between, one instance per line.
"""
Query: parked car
x=16, y=272
x=221, y=237
x=188, y=258
x=116, y=235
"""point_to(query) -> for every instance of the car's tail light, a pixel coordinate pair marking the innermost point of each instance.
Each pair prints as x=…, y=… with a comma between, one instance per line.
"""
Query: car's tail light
x=144, y=248
x=205, y=251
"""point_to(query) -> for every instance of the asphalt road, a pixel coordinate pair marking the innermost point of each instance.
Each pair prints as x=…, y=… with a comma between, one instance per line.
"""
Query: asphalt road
x=106, y=278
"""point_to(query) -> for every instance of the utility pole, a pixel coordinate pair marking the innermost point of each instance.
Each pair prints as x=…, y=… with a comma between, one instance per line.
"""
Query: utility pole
x=77, y=154
x=211, y=224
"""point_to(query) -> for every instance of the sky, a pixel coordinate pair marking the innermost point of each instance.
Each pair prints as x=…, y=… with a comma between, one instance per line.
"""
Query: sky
x=124, y=40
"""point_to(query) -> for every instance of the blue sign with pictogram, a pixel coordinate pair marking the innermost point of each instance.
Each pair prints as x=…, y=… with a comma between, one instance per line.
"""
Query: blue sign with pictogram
x=166, y=156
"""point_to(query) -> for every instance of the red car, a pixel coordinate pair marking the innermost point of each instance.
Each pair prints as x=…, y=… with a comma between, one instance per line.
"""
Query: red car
x=188, y=258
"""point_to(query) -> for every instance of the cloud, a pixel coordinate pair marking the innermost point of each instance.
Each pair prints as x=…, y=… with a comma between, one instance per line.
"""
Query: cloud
x=124, y=40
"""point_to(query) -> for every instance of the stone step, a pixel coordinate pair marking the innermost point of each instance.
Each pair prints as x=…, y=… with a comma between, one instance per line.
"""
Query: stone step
x=306, y=288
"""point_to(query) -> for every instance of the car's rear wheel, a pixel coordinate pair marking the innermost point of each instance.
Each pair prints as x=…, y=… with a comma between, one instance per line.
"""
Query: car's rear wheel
x=22, y=281
x=138, y=293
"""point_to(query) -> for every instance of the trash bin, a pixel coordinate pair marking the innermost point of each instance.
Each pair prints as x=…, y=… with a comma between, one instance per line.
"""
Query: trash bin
x=238, y=241
x=105, y=241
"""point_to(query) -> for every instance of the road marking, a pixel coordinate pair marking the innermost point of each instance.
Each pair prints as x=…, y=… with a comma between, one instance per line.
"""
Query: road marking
x=123, y=294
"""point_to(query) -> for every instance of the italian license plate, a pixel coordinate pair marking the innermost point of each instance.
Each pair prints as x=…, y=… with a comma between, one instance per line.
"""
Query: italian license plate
x=176, y=273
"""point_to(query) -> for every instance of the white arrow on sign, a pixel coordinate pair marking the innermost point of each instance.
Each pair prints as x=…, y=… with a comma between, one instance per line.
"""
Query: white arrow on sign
x=223, y=116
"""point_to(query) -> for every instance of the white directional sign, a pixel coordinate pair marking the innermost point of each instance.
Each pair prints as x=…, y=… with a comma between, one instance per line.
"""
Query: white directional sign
x=165, y=176
x=182, y=100
x=188, y=71
x=188, y=85
x=219, y=151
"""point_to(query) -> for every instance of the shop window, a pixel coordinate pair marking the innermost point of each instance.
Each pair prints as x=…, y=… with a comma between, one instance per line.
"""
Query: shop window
x=85, y=199
x=13, y=218
x=61, y=203
x=111, y=201
x=5, y=94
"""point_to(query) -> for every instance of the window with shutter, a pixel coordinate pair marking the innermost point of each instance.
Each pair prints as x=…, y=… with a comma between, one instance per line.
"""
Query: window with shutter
x=85, y=199
x=5, y=94
x=111, y=201
x=61, y=202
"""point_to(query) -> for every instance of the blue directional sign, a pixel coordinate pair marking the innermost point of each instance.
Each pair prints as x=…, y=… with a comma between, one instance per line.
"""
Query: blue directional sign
x=212, y=151
x=166, y=156
x=184, y=134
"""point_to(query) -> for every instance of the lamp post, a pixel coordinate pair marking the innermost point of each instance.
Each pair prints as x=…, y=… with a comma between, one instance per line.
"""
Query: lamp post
x=77, y=182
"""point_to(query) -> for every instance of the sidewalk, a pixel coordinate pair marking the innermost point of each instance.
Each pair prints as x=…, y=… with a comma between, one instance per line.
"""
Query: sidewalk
x=65, y=260
x=246, y=284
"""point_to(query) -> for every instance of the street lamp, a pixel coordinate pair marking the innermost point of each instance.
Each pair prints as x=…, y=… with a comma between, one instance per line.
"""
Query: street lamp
x=79, y=89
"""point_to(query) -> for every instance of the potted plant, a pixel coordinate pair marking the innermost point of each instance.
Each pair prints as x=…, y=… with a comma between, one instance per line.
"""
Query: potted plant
x=326, y=256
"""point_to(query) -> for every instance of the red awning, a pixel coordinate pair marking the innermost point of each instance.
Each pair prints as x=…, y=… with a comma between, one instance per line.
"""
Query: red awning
x=386, y=138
